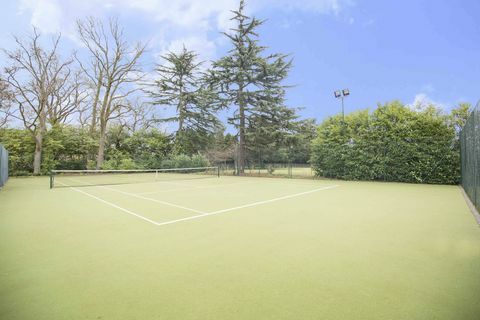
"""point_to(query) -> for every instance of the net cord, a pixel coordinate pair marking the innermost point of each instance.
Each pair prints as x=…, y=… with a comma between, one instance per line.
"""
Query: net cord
x=132, y=170
x=53, y=173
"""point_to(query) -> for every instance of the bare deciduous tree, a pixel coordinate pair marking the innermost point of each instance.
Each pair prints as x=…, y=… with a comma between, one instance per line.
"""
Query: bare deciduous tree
x=113, y=70
x=6, y=97
x=40, y=83
x=141, y=115
x=66, y=98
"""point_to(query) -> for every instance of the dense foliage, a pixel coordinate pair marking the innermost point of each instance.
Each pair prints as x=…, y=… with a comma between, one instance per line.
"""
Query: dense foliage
x=393, y=143
x=68, y=147
x=182, y=86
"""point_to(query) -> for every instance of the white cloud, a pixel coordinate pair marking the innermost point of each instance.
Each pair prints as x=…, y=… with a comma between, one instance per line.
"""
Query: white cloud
x=422, y=100
x=204, y=47
x=174, y=22
x=45, y=15
x=317, y=6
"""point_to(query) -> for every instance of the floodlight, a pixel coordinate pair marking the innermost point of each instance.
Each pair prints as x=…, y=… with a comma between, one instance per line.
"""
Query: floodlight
x=341, y=94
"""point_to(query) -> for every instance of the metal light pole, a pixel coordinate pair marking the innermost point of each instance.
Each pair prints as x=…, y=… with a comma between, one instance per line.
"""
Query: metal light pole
x=341, y=94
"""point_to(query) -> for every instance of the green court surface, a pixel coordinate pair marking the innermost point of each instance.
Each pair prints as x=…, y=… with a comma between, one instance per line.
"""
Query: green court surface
x=237, y=248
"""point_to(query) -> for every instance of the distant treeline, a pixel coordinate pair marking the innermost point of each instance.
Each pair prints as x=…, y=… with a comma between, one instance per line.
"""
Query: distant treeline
x=74, y=147
x=394, y=142
x=70, y=147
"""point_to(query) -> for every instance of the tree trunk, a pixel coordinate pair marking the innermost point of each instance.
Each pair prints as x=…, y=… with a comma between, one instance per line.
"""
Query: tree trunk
x=95, y=103
x=104, y=113
x=101, y=146
x=39, y=134
x=180, y=122
x=181, y=106
x=242, y=144
x=37, y=158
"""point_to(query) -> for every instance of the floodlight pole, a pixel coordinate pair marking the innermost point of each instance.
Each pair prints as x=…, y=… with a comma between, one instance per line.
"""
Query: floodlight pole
x=341, y=94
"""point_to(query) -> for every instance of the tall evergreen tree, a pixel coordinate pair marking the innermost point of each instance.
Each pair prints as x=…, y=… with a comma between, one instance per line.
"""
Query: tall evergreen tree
x=270, y=132
x=251, y=81
x=181, y=85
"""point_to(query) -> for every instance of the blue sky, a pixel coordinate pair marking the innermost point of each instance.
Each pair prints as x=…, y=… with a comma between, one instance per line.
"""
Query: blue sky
x=423, y=51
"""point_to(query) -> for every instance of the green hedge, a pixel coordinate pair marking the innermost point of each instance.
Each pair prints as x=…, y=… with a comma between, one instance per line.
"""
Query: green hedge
x=393, y=143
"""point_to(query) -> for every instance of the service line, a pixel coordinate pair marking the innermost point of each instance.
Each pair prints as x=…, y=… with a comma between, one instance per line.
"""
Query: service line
x=253, y=204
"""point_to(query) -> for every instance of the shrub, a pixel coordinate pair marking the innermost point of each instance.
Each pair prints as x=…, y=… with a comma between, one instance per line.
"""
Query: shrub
x=393, y=143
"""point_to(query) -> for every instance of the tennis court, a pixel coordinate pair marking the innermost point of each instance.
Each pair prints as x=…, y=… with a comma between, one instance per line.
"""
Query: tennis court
x=209, y=247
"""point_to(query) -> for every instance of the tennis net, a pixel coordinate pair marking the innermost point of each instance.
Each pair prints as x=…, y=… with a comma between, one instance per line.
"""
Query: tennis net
x=85, y=178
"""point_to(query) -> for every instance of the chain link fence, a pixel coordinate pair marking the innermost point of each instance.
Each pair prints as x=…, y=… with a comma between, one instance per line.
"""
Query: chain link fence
x=280, y=170
x=3, y=166
x=470, y=156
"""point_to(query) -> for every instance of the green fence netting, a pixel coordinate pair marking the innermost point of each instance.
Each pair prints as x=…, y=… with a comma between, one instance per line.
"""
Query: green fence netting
x=470, y=156
x=3, y=166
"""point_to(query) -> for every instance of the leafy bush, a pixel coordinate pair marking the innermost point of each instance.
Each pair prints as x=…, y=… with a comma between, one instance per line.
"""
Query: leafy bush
x=168, y=164
x=185, y=161
x=20, y=146
x=393, y=143
x=148, y=148
x=67, y=147
x=199, y=161
x=118, y=160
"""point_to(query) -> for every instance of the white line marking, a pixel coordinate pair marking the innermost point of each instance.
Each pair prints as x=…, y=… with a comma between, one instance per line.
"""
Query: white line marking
x=141, y=197
x=164, y=191
x=170, y=183
x=113, y=205
x=154, y=200
x=188, y=187
x=202, y=214
x=246, y=205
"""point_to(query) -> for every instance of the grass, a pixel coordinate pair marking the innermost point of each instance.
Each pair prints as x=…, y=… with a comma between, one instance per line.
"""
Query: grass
x=357, y=251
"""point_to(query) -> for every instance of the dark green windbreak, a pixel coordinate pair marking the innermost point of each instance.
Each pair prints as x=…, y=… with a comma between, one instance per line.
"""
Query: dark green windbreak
x=470, y=156
x=3, y=166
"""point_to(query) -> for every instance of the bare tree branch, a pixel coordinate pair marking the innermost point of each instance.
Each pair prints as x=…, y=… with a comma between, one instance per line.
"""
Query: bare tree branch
x=41, y=87
x=113, y=72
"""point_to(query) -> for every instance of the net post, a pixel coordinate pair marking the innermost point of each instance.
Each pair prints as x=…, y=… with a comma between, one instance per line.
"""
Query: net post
x=51, y=179
x=218, y=171
x=156, y=175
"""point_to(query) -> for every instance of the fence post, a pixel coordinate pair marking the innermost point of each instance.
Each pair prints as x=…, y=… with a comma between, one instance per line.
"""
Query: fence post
x=51, y=179
x=3, y=166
